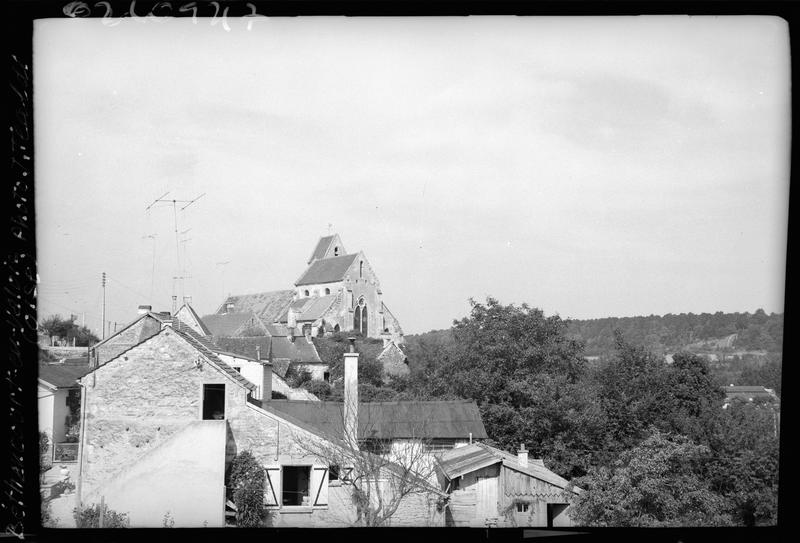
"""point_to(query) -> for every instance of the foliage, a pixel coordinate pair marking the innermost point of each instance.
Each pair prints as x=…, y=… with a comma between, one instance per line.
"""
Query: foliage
x=168, y=521
x=295, y=378
x=657, y=483
x=61, y=487
x=89, y=517
x=246, y=482
x=320, y=389
x=68, y=329
x=331, y=349
x=44, y=456
x=670, y=333
x=278, y=395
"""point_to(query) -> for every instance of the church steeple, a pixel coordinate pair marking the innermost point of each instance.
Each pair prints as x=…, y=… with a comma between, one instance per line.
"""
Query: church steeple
x=327, y=247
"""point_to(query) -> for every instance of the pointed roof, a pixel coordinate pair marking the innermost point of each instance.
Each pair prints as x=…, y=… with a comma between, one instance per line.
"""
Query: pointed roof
x=228, y=324
x=189, y=316
x=327, y=270
x=327, y=246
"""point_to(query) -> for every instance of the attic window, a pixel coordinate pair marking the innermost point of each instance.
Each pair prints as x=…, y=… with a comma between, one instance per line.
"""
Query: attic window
x=213, y=402
x=335, y=251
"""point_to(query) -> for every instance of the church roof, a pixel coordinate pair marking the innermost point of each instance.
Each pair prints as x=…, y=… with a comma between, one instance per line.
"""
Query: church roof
x=267, y=305
x=310, y=309
x=321, y=248
x=327, y=270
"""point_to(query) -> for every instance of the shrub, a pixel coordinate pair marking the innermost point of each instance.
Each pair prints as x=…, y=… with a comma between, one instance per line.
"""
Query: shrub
x=60, y=488
x=89, y=517
x=278, y=395
x=246, y=482
x=320, y=389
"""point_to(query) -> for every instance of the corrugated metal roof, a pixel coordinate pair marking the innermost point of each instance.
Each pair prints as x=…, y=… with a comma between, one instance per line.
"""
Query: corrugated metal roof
x=327, y=270
x=63, y=375
x=461, y=460
x=394, y=420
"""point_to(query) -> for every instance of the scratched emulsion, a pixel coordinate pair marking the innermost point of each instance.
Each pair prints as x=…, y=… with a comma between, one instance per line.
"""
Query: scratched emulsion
x=20, y=279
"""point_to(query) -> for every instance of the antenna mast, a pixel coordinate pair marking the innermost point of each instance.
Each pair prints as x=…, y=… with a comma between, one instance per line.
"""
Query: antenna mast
x=175, y=210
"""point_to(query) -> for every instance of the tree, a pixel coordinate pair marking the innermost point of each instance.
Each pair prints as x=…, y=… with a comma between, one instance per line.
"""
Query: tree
x=68, y=329
x=246, y=483
x=379, y=481
x=654, y=484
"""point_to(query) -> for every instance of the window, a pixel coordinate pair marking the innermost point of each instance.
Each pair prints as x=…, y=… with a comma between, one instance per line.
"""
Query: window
x=238, y=368
x=326, y=376
x=455, y=484
x=295, y=485
x=333, y=473
x=214, y=402
x=327, y=291
x=335, y=251
x=522, y=507
x=305, y=293
x=361, y=269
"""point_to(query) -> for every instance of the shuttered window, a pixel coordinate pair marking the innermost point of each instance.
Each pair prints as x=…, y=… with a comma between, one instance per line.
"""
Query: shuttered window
x=319, y=485
x=272, y=488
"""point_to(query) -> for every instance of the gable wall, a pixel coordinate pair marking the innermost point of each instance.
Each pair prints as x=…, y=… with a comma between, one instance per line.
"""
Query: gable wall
x=138, y=332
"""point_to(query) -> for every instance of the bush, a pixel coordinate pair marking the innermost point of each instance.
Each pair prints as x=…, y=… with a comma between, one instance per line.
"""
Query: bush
x=320, y=389
x=60, y=488
x=246, y=481
x=89, y=517
x=278, y=395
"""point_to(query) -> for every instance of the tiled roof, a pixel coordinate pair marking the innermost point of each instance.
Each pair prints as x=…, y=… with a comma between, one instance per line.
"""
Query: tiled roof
x=246, y=346
x=63, y=375
x=327, y=270
x=317, y=308
x=321, y=248
x=206, y=347
x=267, y=305
x=195, y=317
x=298, y=350
x=394, y=420
x=228, y=324
x=281, y=330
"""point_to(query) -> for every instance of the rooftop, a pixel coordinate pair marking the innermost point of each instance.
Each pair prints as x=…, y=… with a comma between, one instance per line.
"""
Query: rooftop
x=63, y=375
x=327, y=270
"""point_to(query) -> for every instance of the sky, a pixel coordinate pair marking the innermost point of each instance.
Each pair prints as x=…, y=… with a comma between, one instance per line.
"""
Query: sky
x=587, y=166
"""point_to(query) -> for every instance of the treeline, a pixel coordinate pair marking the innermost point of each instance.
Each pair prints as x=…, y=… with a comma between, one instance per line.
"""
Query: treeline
x=671, y=333
x=631, y=430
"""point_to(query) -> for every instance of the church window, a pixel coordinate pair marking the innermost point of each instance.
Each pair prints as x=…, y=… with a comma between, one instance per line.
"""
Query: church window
x=361, y=269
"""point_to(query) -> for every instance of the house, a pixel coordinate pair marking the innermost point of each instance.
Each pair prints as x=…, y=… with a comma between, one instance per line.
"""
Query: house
x=149, y=323
x=338, y=291
x=758, y=394
x=58, y=401
x=163, y=420
x=488, y=486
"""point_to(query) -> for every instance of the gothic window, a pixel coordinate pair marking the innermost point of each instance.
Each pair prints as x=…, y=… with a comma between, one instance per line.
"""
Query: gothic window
x=360, y=317
x=357, y=319
x=361, y=269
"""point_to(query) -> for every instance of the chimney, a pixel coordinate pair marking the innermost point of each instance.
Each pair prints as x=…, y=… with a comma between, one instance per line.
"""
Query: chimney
x=522, y=456
x=266, y=383
x=144, y=309
x=187, y=300
x=258, y=352
x=350, y=407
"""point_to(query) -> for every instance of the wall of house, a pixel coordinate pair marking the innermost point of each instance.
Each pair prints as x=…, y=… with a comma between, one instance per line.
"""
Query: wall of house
x=45, y=406
x=463, y=502
x=177, y=477
x=126, y=339
x=318, y=289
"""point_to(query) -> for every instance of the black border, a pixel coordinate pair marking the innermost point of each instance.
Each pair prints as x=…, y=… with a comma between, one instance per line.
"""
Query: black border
x=19, y=507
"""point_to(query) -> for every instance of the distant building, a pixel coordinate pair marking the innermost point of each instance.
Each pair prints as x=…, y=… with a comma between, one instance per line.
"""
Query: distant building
x=338, y=291
x=58, y=387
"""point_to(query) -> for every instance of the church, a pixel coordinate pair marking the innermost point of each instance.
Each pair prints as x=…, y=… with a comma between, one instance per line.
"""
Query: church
x=338, y=291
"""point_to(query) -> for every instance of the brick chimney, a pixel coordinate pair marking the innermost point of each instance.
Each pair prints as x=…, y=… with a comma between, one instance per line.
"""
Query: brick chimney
x=350, y=408
x=144, y=309
x=522, y=456
x=266, y=382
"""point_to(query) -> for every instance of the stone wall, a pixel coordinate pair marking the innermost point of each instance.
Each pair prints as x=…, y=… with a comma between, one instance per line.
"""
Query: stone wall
x=124, y=340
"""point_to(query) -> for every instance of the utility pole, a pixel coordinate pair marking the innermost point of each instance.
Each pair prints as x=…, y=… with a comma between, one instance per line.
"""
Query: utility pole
x=223, y=264
x=103, y=318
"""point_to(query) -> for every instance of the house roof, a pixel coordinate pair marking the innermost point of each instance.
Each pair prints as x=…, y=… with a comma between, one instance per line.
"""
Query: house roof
x=246, y=346
x=62, y=375
x=327, y=270
x=207, y=349
x=748, y=392
x=393, y=420
x=193, y=314
x=298, y=350
x=469, y=458
x=267, y=305
x=160, y=317
x=226, y=325
x=280, y=330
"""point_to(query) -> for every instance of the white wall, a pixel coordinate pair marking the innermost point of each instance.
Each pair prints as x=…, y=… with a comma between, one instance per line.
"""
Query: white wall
x=45, y=405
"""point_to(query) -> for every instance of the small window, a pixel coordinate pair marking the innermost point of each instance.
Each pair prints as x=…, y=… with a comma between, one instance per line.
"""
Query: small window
x=335, y=251
x=327, y=376
x=305, y=292
x=333, y=473
x=237, y=368
x=455, y=484
x=296, y=485
x=361, y=269
x=522, y=508
x=327, y=291
x=214, y=402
